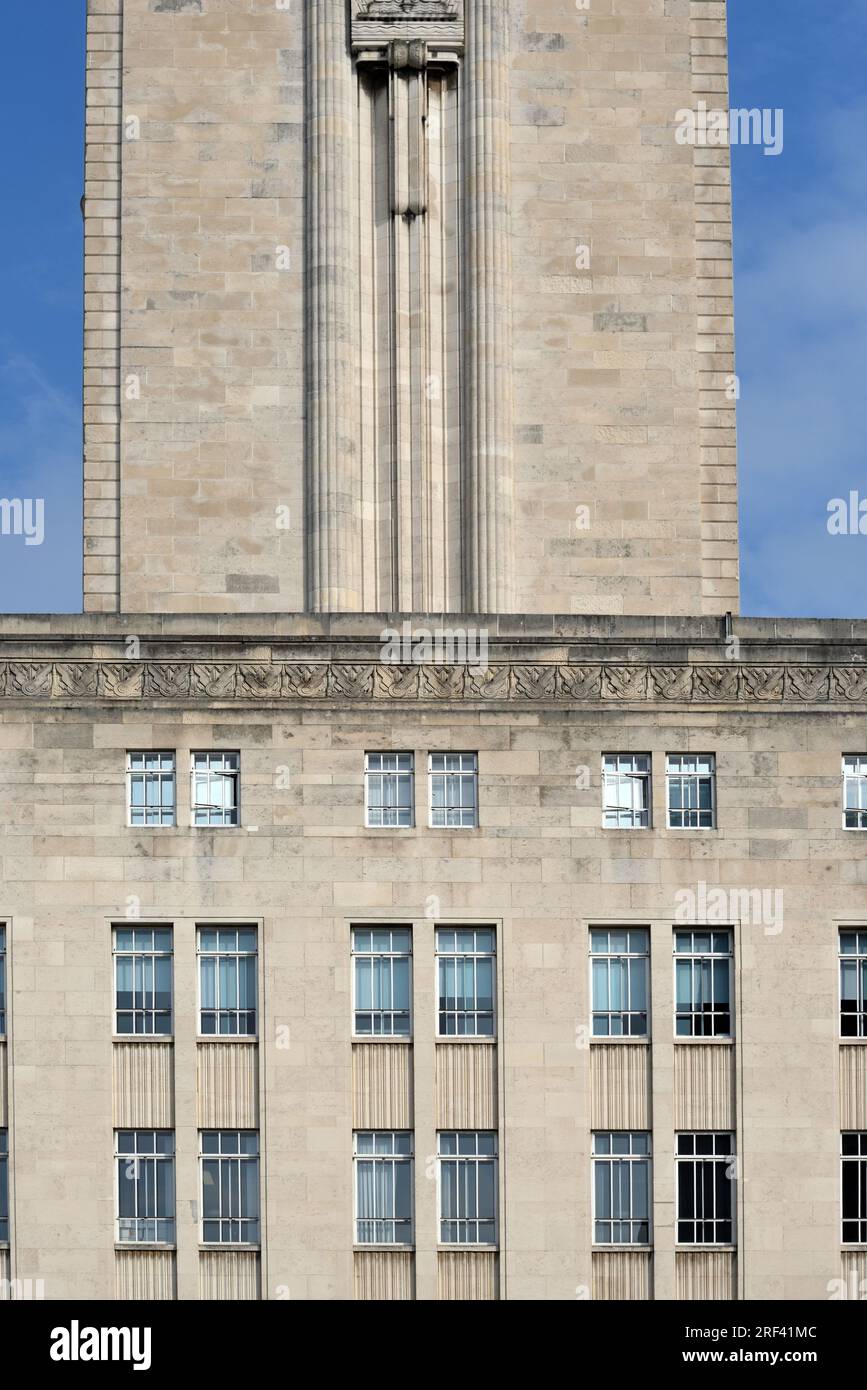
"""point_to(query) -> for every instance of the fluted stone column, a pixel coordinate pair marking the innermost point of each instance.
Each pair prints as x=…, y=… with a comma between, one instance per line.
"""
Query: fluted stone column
x=333, y=520
x=488, y=477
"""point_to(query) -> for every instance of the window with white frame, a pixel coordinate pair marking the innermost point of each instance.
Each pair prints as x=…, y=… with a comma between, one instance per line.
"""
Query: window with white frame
x=142, y=980
x=626, y=791
x=230, y=1186
x=4, y=1186
x=620, y=968
x=854, y=1187
x=705, y=1189
x=388, y=790
x=454, y=779
x=621, y=1189
x=383, y=1188
x=145, y=1162
x=215, y=788
x=466, y=966
x=703, y=984
x=2, y=981
x=691, y=791
x=151, y=798
x=468, y=1187
x=381, y=964
x=855, y=792
x=227, y=980
x=853, y=984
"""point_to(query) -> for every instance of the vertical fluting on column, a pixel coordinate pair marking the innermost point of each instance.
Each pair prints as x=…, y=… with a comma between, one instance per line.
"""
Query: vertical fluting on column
x=333, y=505
x=488, y=475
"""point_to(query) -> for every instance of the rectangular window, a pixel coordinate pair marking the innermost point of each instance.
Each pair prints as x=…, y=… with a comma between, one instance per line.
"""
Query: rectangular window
x=466, y=962
x=702, y=984
x=468, y=1188
x=4, y=1185
x=705, y=1189
x=381, y=959
x=454, y=790
x=854, y=1188
x=215, y=788
x=626, y=791
x=2, y=982
x=855, y=793
x=853, y=984
x=230, y=1187
x=690, y=779
x=145, y=1160
x=151, y=788
x=227, y=980
x=143, y=980
x=388, y=790
x=621, y=1189
x=383, y=1188
x=620, y=965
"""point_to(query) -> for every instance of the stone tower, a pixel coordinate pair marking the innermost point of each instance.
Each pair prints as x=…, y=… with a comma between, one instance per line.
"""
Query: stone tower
x=407, y=305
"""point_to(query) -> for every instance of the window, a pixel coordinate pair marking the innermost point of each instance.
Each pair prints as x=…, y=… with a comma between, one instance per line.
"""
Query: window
x=2, y=981
x=465, y=973
x=227, y=974
x=621, y=1189
x=388, y=789
x=381, y=968
x=383, y=1189
x=705, y=1189
x=626, y=791
x=230, y=1187
x=855, y=793
x=468, y=1188
x=853, y=984
x=691, y=791
x=215, y=785
x=854, y=1186
x=143, y=980
x=145, y=1186
x=454, y=790
x=620, y=961
x=4, y=1185
x=151, y=788
x=702, y=983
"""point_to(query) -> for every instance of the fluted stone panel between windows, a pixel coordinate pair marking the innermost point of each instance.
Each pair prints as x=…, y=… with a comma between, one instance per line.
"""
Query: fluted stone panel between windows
x=384, y=1275
x=144, y=1089
x=145, y=1275
x=853, y=1086
x=705, y=1275
x=229, y=1275
x=466, y=1085
x=382, y=1086
x=228, y=1085
x=622, y=1274
x=620, y=1086
x=4, y=1275
x=468, y=1275
x=704, y=1082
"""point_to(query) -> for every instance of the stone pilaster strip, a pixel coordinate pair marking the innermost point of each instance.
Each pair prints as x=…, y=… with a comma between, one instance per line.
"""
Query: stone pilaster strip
x=488, y=444
x=333, y=537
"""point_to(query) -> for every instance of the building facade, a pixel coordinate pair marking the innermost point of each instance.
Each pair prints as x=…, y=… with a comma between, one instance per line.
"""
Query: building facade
x=416, y=883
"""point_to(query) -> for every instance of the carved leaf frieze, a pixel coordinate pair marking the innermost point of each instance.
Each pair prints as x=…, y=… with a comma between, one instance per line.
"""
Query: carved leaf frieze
x=560, y=683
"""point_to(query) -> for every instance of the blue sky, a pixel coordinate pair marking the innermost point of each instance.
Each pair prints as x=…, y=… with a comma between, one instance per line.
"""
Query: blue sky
x=800, y=301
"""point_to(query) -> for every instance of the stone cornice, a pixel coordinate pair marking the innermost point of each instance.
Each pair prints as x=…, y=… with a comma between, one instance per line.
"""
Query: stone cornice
x=379, y=682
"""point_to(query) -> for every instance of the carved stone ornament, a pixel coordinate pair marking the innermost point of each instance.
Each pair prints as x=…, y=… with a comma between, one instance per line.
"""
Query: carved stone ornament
x=406, y=9
x=557, y=683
